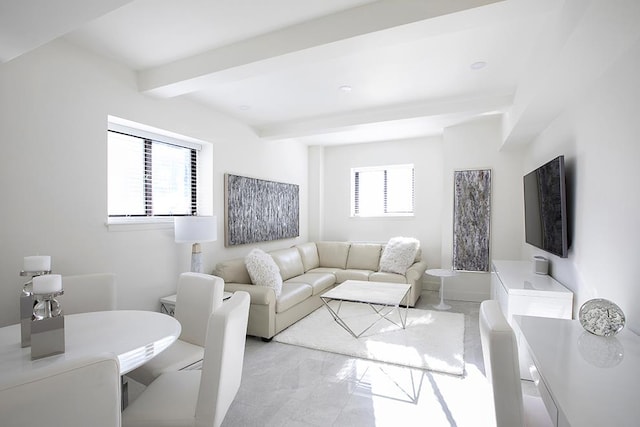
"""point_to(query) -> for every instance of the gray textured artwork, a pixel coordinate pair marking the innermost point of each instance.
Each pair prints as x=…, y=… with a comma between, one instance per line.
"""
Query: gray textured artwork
x=258, y=211
x=471, y=220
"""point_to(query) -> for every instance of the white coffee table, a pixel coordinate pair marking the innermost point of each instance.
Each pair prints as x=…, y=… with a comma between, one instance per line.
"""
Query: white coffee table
x=441, y=273
x=383, y=298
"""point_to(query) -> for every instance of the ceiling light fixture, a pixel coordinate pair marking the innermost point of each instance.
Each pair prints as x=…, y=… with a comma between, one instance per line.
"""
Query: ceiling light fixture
x=244, y=107
x=346, y=88
x=478, y=65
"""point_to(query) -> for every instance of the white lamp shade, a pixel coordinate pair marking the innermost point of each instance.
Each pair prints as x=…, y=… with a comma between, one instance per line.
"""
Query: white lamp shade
x=195, y=229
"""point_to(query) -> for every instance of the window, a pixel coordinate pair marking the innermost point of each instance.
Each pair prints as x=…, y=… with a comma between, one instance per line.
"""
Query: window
x=382, y=191
x=150, y=175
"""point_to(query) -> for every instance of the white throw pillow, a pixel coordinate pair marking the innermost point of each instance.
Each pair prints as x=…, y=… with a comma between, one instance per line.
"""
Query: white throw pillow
x=399, y=254
x=263, y=270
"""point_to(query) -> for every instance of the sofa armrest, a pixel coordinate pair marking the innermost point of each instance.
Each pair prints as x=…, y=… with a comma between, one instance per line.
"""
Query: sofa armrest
x=416, y=271
x=261, y=295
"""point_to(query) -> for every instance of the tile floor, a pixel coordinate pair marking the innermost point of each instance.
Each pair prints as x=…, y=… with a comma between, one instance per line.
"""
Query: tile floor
x=285, y=385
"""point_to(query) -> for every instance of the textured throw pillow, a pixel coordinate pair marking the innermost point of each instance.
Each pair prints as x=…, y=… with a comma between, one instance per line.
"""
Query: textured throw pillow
x=399, y=254
x=263, y=270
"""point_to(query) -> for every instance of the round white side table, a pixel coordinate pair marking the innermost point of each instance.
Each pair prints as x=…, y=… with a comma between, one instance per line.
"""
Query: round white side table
x=441, y=273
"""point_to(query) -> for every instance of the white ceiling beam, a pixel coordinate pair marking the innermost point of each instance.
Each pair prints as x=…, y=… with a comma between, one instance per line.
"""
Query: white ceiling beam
x=259, y=54
x=339, y=122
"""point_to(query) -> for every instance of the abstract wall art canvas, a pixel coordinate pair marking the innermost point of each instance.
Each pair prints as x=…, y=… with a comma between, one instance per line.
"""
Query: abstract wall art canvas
x=258, y=211
x=471, y=220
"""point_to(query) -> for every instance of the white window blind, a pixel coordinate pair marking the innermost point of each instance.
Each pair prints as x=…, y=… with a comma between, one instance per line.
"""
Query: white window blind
x=382, y=191
x=148, y=177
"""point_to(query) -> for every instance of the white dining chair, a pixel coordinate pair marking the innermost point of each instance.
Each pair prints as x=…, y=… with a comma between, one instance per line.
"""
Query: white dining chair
x=198, y=296
x=84, y=293
x=72, y=393
x=500, y=352
x=194, y=397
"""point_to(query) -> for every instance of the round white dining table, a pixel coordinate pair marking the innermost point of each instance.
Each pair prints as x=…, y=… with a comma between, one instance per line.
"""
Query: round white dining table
x=133, y=336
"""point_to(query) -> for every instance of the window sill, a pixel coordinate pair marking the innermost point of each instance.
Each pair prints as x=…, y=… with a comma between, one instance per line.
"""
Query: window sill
x=137, y=224
x=385, y=217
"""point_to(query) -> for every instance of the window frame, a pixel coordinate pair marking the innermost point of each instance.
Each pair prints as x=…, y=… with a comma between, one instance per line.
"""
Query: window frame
x=355, y=199
x=149, y=138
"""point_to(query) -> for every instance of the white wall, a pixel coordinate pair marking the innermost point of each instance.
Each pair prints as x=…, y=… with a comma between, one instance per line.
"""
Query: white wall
x=472, y=145
x=54, y=104
x=425, y=154
x=476, y=145
x=316, y=193
x=598, y=134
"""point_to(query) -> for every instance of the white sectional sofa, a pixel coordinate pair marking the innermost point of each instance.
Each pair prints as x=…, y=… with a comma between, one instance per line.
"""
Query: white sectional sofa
x=307, y=271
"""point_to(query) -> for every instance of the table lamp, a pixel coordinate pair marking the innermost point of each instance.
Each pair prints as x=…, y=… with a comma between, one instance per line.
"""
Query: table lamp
x=195, y=230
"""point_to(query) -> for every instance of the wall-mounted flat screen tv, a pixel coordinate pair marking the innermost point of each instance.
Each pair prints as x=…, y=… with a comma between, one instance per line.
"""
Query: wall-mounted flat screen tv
x=545, y=208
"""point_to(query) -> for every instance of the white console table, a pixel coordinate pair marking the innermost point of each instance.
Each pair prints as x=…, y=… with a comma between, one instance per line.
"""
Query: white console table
x=584, y=380
x=522, y=292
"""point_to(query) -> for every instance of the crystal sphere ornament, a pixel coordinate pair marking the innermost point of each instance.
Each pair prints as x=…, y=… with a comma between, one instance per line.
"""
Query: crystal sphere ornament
x=601, y=317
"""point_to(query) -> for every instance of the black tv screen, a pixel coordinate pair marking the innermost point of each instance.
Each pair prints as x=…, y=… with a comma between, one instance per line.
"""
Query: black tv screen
x=545, y=208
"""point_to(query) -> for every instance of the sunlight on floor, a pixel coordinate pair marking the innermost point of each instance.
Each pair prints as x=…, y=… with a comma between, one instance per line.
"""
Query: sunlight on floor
x=400, y=396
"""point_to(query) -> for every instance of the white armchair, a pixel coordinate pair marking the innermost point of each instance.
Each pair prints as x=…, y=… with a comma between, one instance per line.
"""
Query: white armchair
x=501, y=365
x=198, y=296
x=76, y=393
x=193, y=397
x=85, y=293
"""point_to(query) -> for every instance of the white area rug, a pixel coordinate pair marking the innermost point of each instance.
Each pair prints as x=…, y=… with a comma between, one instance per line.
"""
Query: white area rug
x=432, y=340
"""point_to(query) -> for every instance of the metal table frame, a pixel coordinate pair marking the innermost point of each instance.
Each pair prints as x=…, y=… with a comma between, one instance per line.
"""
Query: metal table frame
x=383, y=298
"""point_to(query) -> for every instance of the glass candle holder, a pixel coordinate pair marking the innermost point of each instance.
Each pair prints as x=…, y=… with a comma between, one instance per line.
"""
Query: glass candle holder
x=47, y=306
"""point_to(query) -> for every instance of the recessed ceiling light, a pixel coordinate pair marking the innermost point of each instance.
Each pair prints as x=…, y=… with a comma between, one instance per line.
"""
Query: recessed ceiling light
x=346, y=88
x=244, y=107
x=478, y=65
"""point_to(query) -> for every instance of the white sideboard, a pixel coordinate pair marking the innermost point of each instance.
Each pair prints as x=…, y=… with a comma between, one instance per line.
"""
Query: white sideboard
x=584, y=379
x=522, y=292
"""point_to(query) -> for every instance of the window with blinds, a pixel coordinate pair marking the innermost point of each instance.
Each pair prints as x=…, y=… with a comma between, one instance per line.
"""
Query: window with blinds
x=148, y=176
x=382, y=191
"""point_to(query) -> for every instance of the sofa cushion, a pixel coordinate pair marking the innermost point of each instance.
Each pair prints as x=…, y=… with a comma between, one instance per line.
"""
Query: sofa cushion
x=325, y=270
x=263, y=270
x=309, y=255
x=379, y=276
x=399, y=254
x=333, y=254
x=364, y=256
x=232, y=271
x=292, y=294
x=342, y=275
x=289, y=262
x=318, y=281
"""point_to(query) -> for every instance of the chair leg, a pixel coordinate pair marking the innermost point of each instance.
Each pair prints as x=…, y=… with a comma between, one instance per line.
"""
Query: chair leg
x=124, y=388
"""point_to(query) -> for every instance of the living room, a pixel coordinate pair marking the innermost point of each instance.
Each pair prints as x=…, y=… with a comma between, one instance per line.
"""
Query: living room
x=577, y=97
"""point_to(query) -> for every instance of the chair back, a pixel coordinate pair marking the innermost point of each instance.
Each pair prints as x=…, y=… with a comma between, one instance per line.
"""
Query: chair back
x=85, y=293
x=74, y=393
x=198, y=296
x=223, y=360
x=500, y=353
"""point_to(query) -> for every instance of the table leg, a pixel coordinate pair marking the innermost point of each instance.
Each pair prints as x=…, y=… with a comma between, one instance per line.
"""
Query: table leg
x=442, y=305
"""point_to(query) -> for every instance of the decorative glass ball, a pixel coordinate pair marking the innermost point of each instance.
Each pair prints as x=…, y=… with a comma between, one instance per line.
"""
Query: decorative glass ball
x=601, y=317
